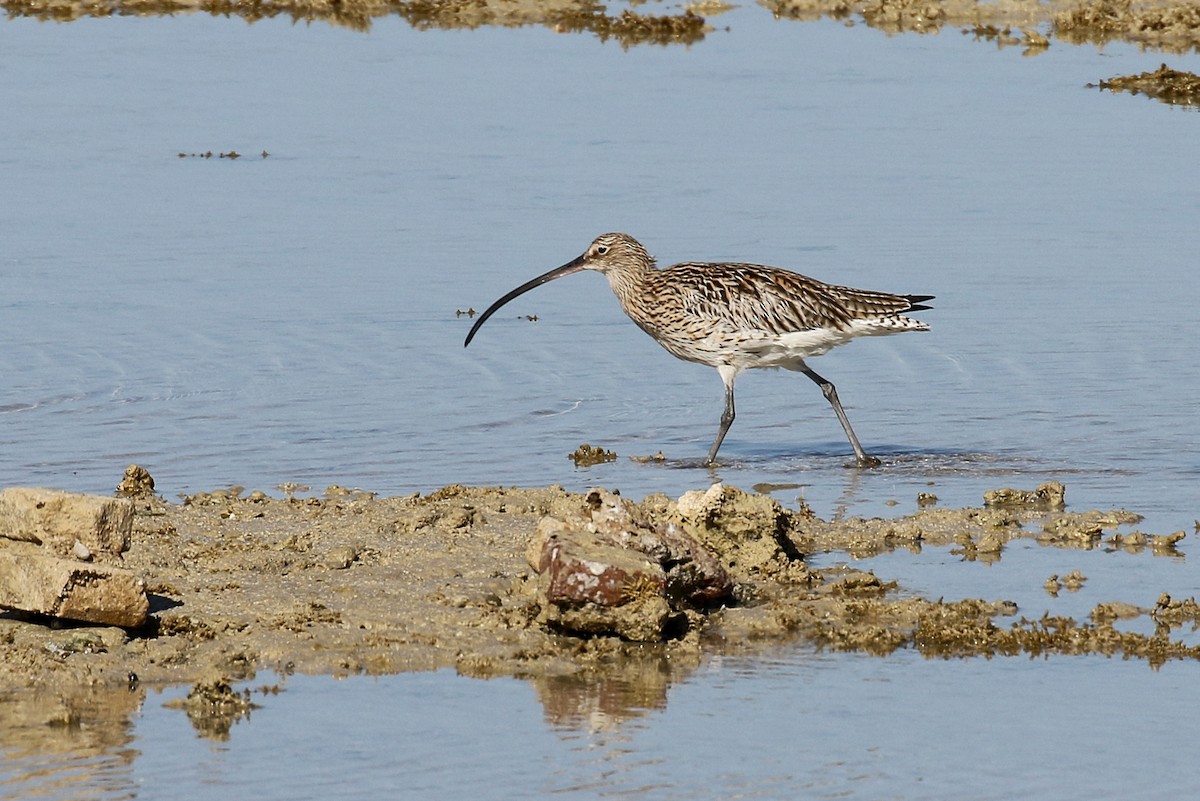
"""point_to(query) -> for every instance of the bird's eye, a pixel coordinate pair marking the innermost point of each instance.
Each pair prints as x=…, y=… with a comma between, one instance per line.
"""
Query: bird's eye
x=601, y=250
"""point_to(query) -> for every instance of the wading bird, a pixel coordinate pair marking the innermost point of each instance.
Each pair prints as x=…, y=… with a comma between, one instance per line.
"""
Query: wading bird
x=735, y=316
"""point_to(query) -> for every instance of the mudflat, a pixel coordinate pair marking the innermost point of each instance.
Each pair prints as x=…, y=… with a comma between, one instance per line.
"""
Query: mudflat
x=343, y=582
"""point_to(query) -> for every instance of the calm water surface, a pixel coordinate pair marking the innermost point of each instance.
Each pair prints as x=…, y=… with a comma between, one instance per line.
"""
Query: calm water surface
x=800, y=726
x=292, y=319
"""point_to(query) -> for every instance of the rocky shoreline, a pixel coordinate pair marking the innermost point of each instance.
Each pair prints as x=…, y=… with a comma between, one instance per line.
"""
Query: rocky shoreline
x=1034, y=25
x=506, y=581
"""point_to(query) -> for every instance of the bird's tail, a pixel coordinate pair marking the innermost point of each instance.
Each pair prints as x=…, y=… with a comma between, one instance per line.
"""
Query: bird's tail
x=918, y=302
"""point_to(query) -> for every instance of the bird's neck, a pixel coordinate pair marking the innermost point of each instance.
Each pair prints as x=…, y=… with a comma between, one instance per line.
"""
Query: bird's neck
x=629, y=284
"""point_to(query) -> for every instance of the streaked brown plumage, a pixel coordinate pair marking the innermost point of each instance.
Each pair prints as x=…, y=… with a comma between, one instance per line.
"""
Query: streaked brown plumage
x=735, y=316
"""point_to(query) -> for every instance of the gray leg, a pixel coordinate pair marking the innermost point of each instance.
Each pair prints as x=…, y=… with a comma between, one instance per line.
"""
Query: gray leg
x=830, y=393
x=726, y=421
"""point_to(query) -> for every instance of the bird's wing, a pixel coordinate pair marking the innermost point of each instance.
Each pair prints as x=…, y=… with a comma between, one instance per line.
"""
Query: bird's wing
x=771, y=300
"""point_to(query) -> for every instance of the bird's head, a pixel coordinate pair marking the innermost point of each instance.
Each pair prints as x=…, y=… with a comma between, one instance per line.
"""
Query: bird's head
x=608, y=253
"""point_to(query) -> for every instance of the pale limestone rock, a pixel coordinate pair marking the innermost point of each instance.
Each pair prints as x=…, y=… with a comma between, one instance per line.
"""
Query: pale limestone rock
x=33, y=581
x=58, y=520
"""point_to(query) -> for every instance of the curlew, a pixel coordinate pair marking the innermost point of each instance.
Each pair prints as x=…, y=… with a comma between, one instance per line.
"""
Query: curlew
x=735, y=316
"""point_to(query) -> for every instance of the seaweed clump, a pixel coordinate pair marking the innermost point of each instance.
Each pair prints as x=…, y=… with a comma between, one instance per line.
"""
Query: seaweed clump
x=1164, y=84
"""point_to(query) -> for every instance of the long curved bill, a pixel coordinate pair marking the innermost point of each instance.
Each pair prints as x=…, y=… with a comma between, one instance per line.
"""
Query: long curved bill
x=573, y=266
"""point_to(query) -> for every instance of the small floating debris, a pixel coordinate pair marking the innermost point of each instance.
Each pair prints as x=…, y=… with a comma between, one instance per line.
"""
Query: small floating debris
x=208, y=154
x=470, y=312
x=658, y=457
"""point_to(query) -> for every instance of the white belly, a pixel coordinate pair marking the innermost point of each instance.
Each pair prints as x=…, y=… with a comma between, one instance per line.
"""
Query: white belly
x=749, y=349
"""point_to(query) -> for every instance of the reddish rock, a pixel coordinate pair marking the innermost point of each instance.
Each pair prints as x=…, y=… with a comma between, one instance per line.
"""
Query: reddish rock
x=581, y=570
x=606, y=568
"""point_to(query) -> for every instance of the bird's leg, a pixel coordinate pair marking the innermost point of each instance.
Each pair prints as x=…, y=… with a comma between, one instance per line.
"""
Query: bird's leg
x=726, y=421
x=830, y=393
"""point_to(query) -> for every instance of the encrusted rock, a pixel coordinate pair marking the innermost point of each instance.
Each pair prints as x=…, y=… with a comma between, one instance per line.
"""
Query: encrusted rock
x=605, y=568
x=748, y=533
x=1051, y=495
x=137, y=483
x=591, y=588
x=579, y=569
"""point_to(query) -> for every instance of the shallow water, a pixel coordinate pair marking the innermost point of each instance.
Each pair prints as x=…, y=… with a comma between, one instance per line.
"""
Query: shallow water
x=810, y=726
x=292, y=319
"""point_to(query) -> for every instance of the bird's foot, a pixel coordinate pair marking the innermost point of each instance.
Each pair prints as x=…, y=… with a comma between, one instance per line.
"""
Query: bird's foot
x=867, y=461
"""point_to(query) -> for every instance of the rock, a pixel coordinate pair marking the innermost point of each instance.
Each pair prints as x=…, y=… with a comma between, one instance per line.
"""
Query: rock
x=578, y=570
x=589, y=587
x=694, y=574
x=59, y=578
x=1051, y=495
x=340, y=557
x=137, y=483
x=748, y=533
x=646, y=620
x=81, y=552
x=213, y=707
x=47, y=585
x=59, y=519
x=604, y=568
